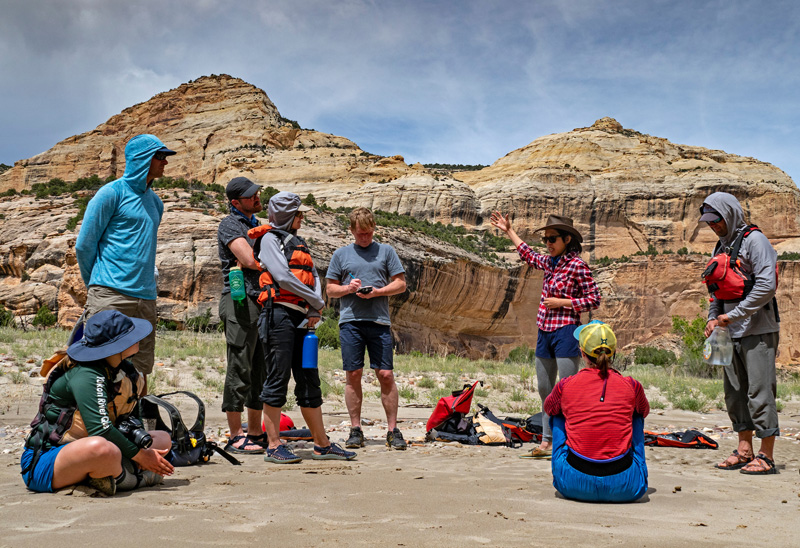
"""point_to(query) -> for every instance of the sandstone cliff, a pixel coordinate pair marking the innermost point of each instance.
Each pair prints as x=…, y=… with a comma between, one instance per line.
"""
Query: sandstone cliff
x=625, y=190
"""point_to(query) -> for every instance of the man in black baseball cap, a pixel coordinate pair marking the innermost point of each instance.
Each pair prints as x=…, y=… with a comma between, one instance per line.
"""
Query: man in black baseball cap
x=241, y=187
x=246, y=366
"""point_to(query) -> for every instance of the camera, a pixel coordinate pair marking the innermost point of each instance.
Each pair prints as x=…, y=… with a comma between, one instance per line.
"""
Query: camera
x=133, y=429
x=365, y=290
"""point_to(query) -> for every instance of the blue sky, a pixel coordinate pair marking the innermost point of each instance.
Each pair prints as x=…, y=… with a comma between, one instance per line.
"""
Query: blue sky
x=436, y=81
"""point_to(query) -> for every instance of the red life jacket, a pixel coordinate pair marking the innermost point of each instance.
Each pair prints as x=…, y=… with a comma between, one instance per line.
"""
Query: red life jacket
x=297, y=257
x=724, y=276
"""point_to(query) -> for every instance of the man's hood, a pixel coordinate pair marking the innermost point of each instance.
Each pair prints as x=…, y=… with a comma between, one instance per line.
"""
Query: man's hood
x=138, y=155
x=731, y=211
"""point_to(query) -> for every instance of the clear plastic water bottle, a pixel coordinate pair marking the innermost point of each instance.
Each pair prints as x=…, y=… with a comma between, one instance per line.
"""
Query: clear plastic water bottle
x=310, y=350
x=718, y=348
x=236, y=282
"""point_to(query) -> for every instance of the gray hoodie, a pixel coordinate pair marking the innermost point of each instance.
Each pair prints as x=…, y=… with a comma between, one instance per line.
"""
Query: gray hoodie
x=755, y=314
x=282, y=209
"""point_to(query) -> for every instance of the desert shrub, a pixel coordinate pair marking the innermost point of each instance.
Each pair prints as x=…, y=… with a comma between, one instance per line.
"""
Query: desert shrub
x=683, y=251
x=44, y=317
x=6, y=317
x=200, y=323
x=328, y=333
x=693, y=338
x=655, y=356
x=521, y=354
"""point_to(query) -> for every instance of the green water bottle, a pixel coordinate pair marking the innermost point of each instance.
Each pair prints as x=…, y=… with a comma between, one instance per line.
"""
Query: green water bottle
x=236, y=282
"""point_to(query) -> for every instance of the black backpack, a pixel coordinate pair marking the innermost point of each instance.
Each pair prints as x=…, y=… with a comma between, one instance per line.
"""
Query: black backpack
x=189, y=445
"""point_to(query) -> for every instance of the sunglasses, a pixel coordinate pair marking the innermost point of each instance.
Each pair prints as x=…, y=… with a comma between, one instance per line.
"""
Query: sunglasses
x=708, y=209
x=160, y=156
x=550, y=239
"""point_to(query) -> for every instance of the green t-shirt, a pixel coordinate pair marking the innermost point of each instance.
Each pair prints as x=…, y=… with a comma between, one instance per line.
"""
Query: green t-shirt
x=86, y=387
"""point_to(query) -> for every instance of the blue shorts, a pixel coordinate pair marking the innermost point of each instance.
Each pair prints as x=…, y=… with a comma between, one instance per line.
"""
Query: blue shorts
x=376, y=339
x=626, y=486
x=560, y=343
x=43, y=473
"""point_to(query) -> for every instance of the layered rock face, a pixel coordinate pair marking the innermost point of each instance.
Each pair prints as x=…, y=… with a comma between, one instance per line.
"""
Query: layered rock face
x=625, y=191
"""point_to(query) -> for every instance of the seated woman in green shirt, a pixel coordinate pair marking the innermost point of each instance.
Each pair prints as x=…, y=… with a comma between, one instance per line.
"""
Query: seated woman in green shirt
x=75, y=436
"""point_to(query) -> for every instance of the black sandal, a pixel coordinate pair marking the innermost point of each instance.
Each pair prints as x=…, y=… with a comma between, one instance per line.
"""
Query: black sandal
x=770, y=469
x=260, y=439
x=231, y=448
x=741, y=461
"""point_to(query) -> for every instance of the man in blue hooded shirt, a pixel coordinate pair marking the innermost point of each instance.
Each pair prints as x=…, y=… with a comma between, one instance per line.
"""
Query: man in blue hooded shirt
x=116, y=246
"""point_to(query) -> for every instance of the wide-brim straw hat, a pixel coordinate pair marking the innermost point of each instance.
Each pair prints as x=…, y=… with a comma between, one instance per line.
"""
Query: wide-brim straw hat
x=557, y=222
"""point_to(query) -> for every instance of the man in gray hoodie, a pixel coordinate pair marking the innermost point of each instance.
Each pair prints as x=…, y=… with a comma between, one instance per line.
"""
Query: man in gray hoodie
x=753, y=321
x=284, y=321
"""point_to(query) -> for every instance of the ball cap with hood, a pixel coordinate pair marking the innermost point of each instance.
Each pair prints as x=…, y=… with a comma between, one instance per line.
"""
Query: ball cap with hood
x=596, y=336
x=726, y=206
x=282, y=209
x=107, y=333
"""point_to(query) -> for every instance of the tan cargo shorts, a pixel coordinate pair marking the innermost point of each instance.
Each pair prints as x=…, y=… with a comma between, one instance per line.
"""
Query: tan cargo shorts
x=104, y=298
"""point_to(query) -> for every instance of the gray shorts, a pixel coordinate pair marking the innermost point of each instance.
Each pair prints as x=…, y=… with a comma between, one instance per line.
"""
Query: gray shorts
x=104, y=298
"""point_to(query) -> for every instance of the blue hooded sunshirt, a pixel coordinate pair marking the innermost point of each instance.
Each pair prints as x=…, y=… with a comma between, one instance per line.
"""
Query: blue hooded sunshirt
x=116, y=246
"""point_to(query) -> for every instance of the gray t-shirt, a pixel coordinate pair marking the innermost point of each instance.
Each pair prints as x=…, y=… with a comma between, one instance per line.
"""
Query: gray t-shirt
x=230, y=228
x=373, y=265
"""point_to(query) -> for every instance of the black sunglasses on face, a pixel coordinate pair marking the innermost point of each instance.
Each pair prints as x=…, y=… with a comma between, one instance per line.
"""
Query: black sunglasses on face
x=160, y=156
x=550, y=239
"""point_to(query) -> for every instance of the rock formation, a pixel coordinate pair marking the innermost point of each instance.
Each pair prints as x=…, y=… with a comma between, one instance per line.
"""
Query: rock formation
x=626, y=191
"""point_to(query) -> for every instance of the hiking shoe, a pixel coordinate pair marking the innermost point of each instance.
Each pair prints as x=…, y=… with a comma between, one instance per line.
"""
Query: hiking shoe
x=281, y=455
x=394, y=440
x=332, y=452
x=106, y=485
x=356, y=438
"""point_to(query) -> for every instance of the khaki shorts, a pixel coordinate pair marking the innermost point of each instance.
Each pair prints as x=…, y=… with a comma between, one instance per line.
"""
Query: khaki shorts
x=104, y=298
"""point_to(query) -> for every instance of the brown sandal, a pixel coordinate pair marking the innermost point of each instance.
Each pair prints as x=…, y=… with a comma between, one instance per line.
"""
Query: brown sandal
x=765, y=466
x=741, y=462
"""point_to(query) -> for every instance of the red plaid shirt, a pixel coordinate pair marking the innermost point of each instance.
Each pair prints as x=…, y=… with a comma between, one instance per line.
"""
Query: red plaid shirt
x=570, y=279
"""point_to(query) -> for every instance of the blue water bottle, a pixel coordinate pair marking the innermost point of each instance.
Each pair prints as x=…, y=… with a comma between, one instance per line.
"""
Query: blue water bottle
x=236, y=282
x=310, y=350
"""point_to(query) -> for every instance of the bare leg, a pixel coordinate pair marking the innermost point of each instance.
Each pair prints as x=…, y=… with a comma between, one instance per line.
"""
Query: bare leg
x=94, y=457
x=313, y=418
x=353, y=396
x=745, y=448
x=253, y=427
x=272, y=422
x=389, y=396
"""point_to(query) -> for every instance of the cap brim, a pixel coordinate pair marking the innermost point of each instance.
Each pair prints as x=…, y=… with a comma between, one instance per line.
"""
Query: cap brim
x=79, y=352
x=166, y=151
x=577, y=332
x=304, y=207
x=250, y=191
x=706, y=217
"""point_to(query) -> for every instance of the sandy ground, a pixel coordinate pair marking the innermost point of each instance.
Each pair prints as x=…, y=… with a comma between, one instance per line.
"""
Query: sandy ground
x=431, y=494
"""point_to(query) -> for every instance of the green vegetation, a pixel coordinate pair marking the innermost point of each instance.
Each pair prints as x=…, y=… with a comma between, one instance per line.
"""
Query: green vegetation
x=693, y=337
x=654, y=356
x=789, y=256
x=57, y=187
x=201, y=323
x=455, y=167
x=328, y=330
x=521, y=354
x=44, y=317
x=6, y=317
x=4, y=168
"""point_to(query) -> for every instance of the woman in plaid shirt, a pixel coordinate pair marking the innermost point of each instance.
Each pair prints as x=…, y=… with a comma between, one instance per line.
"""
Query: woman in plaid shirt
x=567, y=290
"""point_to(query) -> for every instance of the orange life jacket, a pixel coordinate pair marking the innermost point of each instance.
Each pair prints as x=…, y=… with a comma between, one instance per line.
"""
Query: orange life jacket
x=297, y=257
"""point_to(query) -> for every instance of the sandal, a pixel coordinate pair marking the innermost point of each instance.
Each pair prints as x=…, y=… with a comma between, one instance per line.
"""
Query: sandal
x=768, y=466
x=537, y=453
x=260, y=439
x=281, y=455
x=332, y=452
x=741, y=461
x=230, y=447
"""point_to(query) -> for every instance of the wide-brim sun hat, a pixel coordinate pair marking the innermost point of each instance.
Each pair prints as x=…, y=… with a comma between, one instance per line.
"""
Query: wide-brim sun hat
x=558, y=222
x=595, y=336
x=107, y=333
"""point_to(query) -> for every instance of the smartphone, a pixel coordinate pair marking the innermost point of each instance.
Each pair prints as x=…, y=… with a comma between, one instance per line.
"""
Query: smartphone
x=366, y=289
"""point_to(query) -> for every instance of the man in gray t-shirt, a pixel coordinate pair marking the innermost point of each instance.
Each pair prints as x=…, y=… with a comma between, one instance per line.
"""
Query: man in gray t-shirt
x=364, y=275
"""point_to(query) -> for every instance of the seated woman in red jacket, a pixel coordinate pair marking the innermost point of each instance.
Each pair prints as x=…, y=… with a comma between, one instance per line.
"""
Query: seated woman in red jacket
x=597, y=418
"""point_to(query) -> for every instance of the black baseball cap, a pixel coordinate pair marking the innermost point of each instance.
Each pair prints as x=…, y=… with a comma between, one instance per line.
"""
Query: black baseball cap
x=241, y=187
